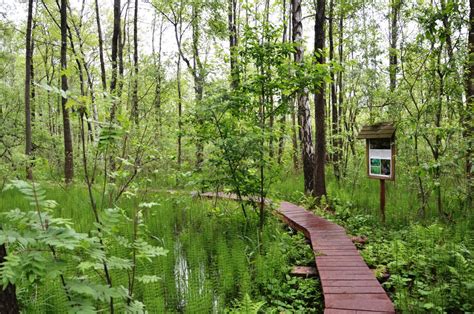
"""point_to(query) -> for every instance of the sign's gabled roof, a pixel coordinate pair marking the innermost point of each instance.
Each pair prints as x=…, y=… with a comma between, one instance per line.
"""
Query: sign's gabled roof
x=379, y=130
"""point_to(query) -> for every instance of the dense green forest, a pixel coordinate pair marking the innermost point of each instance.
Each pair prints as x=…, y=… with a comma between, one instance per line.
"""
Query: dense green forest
x=116, y=114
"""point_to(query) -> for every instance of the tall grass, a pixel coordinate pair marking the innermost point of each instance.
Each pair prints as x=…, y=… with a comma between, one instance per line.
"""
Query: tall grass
x=215, y=257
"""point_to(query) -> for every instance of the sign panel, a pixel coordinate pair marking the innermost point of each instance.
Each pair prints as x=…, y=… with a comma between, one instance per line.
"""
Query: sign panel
x=380, y=158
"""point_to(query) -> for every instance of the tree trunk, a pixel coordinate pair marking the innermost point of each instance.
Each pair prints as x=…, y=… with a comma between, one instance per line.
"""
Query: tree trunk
x=180, y=111
x=8, y=301
x=135, y=114
x=319, y=104
x=393, y=68
x=467, y=112
x=68, y=148
x=122, y=38
x=33, y=88
x=233, y=42
x=101, y=46
x=115, y=46
x=303, y=105
x=198, y=77
x=28, y=62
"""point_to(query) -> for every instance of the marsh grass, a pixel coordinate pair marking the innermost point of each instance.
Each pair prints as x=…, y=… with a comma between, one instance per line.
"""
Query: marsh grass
x=215, y=257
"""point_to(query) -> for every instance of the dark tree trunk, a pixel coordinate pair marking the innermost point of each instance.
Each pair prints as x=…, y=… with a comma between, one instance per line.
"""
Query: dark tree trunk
x=101, y=46
x=8, y=301
x=180, y=111
x=121, y=45
x=28, y=62
x=68, y=148
x=33, y=88
x=233, y=42
x=303, y=105
x=198, y=77
x=135, y=114
x=393, y=67
x=467, y=112
x=319, y=104
x=115, y=46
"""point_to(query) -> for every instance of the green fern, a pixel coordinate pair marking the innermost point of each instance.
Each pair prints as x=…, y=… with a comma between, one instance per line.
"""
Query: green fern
x=246, y=306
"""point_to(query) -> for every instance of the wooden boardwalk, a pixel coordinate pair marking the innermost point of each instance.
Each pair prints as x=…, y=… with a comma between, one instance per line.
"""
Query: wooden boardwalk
x=349, y=286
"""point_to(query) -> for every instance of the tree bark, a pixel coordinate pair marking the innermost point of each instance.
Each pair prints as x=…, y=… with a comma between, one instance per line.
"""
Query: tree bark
x=115, y=46
x=33, y=88
x=233, y=42
x=467, y=112
x=68, y=147
x=122, y=38
x=393, y=68
x=101, y=46
x=8, y=300
x=180, y=111
x=198, y=77
x=303, y=105
x=319, y=104
x=135, y=114
x=28, y=62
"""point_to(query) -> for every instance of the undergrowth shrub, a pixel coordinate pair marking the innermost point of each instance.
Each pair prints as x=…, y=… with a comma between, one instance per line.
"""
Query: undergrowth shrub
x=429, y=267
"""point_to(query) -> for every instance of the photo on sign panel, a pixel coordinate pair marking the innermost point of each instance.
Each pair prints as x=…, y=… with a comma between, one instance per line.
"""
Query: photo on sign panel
x=385, y=167
x=375, y=166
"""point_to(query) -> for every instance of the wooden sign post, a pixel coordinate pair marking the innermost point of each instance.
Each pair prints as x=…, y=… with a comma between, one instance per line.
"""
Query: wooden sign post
x=380, y=155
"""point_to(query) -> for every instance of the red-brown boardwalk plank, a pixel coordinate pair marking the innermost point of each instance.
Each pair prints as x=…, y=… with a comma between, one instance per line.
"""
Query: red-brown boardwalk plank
x=349, y=286
x=340, y=252
x=364, y=302
x=365, y=274
x=342, y=268
x=354, y=290
x=350, y=283
x=332, y=245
